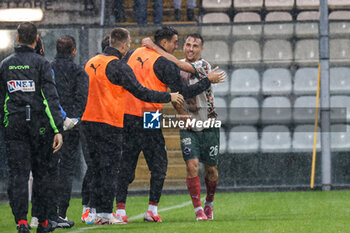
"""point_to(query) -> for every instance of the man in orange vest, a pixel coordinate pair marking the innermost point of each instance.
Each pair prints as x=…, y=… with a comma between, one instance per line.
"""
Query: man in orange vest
x=155, y=72
x=109, y=81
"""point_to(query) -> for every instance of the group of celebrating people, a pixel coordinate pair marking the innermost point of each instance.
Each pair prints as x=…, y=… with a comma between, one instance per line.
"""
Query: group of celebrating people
x=104, y=102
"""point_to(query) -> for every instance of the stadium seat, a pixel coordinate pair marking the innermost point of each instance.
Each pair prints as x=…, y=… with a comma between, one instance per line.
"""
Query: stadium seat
x=280, y=30
x=248, y=4
x=279, y=4
x=277, y=81
x=250, y=30
x=303, y=138
x=223, y=141
x=276, y=110
x=216, y=17
x=245, y=82
x=305, y=81
x=278, y=16
x=308, y=4
x=244, y=110
x=307, y=52
x=337, y=29
x=215, y=31
x=277, y=53
x=307, y=29
x=304, y=110
x=275, y=139
x=245, y=17
x=339, y=51
x=340, y=80
x=216, y=4
x=222, y=89
x=308, y=15
x=243, y=139
x=339, y=4
x=340, y=134
x=340, y=105
x=246, y=52
x=339, y=15
x=216, y=52
x=221, y=109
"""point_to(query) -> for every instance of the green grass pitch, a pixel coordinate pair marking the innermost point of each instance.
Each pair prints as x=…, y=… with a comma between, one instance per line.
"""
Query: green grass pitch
x=296, y=212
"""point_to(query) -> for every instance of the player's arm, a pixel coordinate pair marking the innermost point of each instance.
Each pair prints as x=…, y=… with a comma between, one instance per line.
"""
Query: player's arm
x=119, y=73
x=50, y=96
x=185, y=66
x=81, y=92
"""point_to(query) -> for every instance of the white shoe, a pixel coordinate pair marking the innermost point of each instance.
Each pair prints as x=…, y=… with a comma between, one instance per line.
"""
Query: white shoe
x=90, y=219
x=34, y=222
x=106, y=221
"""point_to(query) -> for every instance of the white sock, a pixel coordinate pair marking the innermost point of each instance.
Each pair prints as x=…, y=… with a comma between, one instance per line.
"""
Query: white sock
x=122, y=212
x=105, y=215
x=209, y=203
x=198, y=208
x=153, y=209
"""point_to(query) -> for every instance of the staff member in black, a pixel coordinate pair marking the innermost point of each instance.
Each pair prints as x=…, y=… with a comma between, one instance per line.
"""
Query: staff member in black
x=32, y=118
x=72, y=85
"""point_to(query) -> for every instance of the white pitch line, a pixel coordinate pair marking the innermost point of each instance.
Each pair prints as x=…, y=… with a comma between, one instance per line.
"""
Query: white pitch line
x=138, y=216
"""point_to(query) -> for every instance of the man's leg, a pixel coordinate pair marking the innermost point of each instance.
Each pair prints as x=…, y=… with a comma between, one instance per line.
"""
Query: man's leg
x=86, y=186
x=140, y=11
x=68, y=158
x=128, y=163
x=156, y=157
x=158, y=11
x=18, y=154
x=210, y=153
x=177, y=7
x=19, y=162
x=211, y=181
x=191, y=152
x=108, y=147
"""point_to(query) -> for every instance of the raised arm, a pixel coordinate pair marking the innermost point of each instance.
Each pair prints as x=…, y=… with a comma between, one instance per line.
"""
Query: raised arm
x=185, y=66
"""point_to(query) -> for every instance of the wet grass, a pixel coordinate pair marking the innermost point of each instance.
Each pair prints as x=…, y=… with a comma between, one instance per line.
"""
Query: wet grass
x=296, y=212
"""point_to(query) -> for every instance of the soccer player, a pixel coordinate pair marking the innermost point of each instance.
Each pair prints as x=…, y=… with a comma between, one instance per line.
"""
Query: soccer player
x=32, y=118
x=156, y=72
x=103, y=120
x=198, y=144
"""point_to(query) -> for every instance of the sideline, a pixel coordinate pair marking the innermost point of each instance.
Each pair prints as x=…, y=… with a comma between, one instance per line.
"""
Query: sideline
x=137, y=216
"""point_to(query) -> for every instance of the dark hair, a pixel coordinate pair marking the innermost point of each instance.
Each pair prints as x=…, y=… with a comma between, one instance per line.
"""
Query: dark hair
x=39, y=48
x=197, y=36
x=27, y=33
x=65, y=44
x=105, y=42
x=166, y=32
x=118, y=36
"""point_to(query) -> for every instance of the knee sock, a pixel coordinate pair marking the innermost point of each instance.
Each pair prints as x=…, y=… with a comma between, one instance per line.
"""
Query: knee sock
x=194, y=188
x=211, y=188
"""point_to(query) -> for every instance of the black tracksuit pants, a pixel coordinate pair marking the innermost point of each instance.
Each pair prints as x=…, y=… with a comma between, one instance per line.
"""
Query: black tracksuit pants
x=86, y=186
x=29, y=147
x=105, y=146
x=151, y=142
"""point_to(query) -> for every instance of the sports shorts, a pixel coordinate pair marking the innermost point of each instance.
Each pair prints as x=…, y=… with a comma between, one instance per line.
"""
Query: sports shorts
x=203, y=145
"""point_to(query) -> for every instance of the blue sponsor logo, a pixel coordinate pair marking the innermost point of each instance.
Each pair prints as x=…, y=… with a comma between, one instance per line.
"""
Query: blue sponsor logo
x=151, y=120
